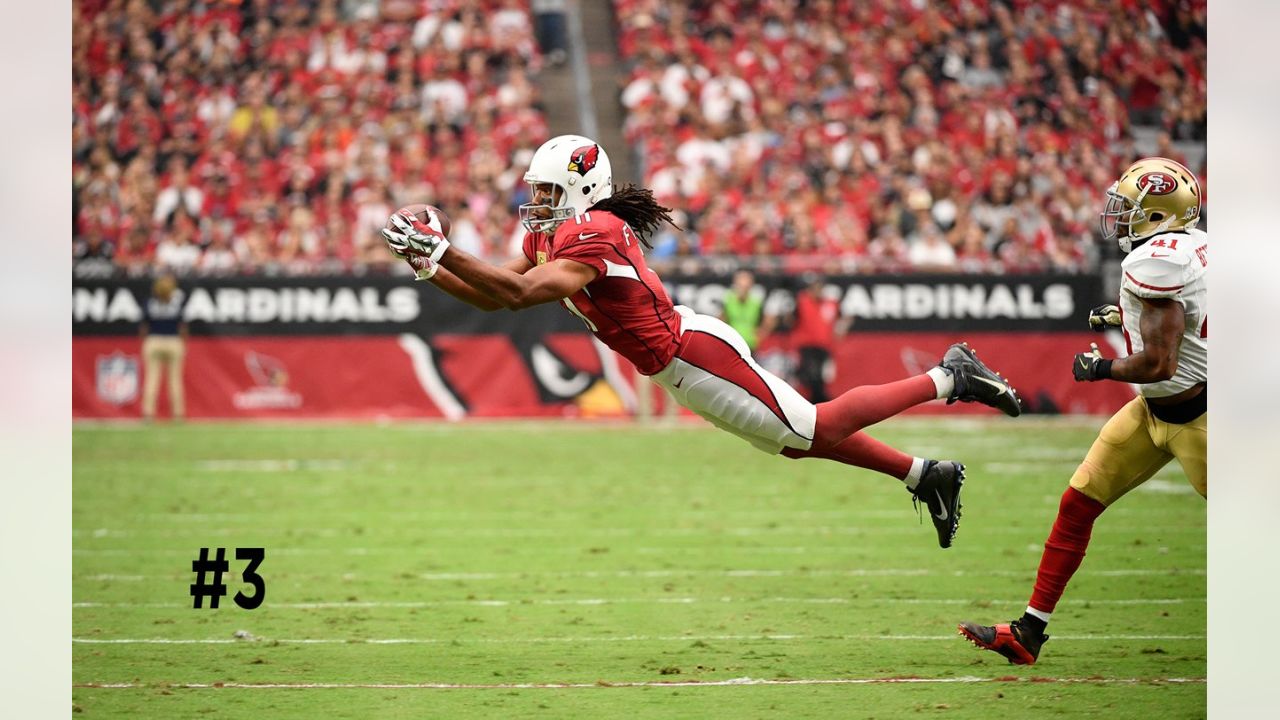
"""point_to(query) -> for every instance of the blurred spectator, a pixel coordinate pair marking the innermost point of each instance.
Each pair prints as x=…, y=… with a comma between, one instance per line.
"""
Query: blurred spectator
x=549, y=24
x=743, y=308
x=253, y=248
x=177, y=251
x=930, y=252
x=178, y=193
x=219, y=258
x=298, y=241
x=813, y=336
x=373, y=207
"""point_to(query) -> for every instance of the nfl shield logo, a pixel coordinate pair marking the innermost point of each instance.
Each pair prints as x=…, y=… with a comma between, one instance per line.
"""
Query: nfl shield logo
x=118, y=378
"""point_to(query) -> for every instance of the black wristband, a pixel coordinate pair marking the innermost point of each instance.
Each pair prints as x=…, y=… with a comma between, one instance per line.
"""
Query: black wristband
x=1102, y=369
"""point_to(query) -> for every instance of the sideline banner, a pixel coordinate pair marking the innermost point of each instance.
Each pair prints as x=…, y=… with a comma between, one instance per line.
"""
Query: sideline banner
x=382, y=305
x=566, y=375
x=357, y=347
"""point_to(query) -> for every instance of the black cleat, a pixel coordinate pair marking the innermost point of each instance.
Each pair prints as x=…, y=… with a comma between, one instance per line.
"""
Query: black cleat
x=1017, y=644
x=939, y=490
x=975, y=382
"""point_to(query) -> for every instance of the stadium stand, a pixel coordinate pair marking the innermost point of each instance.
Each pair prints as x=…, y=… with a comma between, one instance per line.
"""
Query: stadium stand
x=278, y=136
x=275, y=137
x=895, y=135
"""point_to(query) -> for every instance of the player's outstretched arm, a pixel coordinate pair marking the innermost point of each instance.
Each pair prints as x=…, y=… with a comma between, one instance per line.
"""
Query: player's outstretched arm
x=556, y=280
x=553, y=281
x=422, y=246
x=457, y=287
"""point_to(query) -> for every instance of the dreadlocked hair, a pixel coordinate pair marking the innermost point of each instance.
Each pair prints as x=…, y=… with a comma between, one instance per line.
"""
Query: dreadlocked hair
x=637, y=208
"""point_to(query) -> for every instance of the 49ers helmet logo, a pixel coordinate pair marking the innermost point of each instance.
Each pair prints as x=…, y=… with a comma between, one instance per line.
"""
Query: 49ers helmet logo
x=584, y=159
x=1157, y=183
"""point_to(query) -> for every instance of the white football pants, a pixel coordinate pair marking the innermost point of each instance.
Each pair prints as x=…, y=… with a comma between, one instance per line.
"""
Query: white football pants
x=714, y=375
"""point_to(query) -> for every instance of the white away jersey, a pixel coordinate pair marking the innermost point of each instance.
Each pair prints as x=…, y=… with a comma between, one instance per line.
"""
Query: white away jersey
x=1170, y=265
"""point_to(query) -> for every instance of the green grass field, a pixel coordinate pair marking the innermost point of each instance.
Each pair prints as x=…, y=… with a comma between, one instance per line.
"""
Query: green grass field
x=633, y=567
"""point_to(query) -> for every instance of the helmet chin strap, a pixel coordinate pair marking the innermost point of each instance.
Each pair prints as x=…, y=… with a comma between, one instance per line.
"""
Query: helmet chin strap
x=1160, y=228
x=1129, y=244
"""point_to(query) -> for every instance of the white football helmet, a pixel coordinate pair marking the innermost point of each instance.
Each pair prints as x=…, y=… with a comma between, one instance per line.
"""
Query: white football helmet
x=579, y=173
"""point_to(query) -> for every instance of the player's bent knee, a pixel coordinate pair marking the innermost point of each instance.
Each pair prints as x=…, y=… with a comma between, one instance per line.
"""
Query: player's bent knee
x=1087, y=480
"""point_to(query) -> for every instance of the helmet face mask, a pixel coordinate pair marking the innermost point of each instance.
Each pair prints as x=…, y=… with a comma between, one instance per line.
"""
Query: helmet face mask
x=1154, y=195
x=1119, y=217
x=566, y=176
x=547, y=207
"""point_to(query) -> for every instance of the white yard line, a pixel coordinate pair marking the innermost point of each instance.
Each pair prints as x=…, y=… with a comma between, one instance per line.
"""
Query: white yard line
x=952, y=422
x=585, y=639
x=766, y=548
x=633, y=684
x=887, y=572
x=1157, y=485
x=1023, y=466
x=851, y=523
x=144, y=524
x=656, y=601
x=265, y=465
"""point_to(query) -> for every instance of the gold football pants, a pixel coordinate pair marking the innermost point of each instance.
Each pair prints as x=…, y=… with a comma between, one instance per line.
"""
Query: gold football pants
x=1134, y=445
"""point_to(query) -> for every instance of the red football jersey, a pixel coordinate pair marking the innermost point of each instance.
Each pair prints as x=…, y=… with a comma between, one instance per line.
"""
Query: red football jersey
x=815, y=322
x=626, y=306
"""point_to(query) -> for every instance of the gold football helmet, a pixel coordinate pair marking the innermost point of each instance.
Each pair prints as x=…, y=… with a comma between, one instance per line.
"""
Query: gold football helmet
x=1154, y=195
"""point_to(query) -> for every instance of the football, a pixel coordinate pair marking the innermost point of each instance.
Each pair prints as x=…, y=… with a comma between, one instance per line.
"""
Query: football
x=427, y=215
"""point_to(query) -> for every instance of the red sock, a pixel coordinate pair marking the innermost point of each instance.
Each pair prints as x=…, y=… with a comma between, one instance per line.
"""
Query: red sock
x=867, y=405
x=1064, y=550
x=861, y=450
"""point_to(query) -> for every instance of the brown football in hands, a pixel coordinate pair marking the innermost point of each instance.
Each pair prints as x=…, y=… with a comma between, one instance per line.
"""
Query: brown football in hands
x=424, y=214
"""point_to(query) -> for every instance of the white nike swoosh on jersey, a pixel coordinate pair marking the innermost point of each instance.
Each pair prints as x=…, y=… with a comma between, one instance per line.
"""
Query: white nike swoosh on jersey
x=586, y=236
x=943, y=517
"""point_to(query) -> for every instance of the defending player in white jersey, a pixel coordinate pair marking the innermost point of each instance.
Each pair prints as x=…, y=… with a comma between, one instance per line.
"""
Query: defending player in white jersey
x=1152, y=212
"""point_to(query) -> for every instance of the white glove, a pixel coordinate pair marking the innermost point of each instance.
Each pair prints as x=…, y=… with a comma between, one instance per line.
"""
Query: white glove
x=410, y=238
x=423, y=268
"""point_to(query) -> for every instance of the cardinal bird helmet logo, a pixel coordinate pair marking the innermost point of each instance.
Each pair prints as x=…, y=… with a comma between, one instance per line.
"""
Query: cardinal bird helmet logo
x=584, y=159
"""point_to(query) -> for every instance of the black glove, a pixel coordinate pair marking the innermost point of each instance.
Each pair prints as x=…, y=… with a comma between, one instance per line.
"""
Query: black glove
x=1091, y=366
x=1103, y=317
